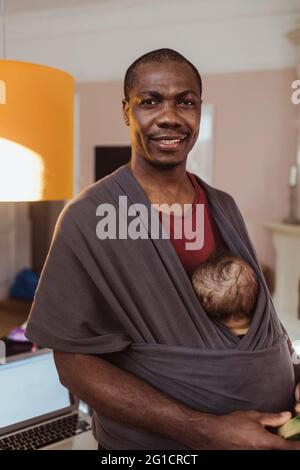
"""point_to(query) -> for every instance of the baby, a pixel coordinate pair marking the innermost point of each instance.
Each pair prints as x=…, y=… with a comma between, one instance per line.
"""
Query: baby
x=227, y=288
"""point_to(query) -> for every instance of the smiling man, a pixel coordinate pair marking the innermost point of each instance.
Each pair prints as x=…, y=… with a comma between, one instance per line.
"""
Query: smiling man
x=130, y=336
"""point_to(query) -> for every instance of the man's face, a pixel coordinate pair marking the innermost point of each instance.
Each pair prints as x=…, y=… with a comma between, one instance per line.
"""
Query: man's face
x=163, y=113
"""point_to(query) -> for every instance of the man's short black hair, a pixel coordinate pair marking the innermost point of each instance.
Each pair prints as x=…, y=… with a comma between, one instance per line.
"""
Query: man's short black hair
x=159, y=55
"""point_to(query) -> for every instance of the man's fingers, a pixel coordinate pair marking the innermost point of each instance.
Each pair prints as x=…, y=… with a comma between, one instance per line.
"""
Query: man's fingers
x=297, y=408
x=274, y=419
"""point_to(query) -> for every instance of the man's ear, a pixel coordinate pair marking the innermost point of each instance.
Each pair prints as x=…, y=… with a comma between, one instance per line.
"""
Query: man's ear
x=125, y=105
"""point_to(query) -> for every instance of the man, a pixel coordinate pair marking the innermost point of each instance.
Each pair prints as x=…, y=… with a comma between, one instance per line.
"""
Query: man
x=130, y=337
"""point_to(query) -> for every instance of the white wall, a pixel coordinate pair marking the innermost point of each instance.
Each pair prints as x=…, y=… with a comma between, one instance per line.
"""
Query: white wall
x=99, y=41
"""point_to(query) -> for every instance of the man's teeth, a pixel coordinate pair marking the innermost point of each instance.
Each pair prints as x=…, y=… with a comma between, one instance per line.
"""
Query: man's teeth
x=169, y=142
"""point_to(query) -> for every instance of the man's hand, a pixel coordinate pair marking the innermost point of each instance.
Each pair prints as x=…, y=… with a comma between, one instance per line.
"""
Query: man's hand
x=239, y=430
x=297, y=397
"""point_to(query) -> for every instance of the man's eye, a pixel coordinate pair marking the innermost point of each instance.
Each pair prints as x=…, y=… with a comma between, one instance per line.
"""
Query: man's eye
x=149, y=102
x=188, y=102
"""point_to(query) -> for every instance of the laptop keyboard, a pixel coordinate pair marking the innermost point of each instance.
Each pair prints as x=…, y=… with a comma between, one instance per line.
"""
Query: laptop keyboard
x=46, y=434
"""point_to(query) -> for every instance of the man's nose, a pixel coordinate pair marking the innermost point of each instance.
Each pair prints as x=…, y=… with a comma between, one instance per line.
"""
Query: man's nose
x=168, y=117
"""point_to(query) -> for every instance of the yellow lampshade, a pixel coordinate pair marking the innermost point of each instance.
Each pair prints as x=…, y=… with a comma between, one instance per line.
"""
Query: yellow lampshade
x=36, y=132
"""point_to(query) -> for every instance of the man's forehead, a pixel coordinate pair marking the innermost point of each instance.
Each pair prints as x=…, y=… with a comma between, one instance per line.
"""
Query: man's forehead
x=162, y=77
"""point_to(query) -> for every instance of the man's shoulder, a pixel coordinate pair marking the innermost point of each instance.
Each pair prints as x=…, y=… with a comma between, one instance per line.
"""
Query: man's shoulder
x=222, y=195
x=83, y=206
x=101, y=191
x=96, y=191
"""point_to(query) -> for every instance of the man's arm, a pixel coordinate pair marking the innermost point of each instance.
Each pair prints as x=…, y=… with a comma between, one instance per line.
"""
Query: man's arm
x=129, y=400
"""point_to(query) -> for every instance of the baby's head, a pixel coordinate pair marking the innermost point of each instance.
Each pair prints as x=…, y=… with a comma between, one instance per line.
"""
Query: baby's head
x=227, y=288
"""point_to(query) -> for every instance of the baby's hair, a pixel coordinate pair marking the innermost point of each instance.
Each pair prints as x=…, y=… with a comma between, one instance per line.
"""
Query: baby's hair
x=227, y=286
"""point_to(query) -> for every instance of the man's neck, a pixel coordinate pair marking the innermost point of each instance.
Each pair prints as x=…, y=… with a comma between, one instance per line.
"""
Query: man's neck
x=154, y=179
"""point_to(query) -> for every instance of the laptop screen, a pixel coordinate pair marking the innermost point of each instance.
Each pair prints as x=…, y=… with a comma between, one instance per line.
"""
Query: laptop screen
x=30, y=388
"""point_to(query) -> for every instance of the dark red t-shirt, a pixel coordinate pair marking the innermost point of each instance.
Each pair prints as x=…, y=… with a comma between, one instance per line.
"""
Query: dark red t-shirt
x=212, y=237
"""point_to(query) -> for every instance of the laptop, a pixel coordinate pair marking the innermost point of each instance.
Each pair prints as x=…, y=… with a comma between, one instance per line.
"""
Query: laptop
x=36, y=411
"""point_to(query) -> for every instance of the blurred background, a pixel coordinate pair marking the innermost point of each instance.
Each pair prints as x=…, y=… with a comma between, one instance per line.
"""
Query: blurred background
x=249, y=135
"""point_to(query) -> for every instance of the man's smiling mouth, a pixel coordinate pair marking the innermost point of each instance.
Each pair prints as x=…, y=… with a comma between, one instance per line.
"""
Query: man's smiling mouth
x=165, y=141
